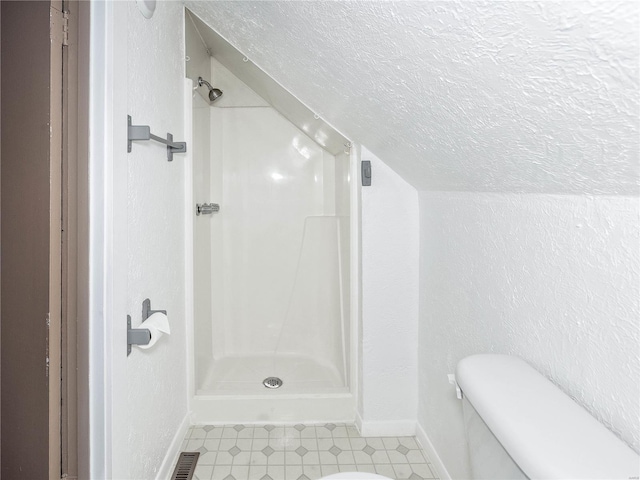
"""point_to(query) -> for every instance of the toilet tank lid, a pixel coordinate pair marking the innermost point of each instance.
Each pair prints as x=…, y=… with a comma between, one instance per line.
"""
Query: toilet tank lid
x=546, y=433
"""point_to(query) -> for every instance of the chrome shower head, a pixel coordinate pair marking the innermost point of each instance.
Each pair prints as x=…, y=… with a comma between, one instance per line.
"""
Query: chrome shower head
x=214, y=93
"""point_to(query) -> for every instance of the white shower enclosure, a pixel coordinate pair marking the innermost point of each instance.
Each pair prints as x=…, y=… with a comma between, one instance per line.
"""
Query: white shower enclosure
x=271, y=269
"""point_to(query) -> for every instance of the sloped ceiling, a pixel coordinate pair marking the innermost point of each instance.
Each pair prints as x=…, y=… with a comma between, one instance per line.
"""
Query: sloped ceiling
x=462, y=95
x=262, y=84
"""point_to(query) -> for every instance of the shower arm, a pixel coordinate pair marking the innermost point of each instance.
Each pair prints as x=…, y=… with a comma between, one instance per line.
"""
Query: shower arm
x=202, y=81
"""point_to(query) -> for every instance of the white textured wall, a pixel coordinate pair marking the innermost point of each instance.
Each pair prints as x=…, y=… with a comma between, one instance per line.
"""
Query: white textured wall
x=389, y=302
x=156, y=379
x=554, y=280
x=532, y=96
x=528, y=96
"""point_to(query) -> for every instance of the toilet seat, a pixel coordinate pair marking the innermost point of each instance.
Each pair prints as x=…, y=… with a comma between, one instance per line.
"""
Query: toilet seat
x=355, y=476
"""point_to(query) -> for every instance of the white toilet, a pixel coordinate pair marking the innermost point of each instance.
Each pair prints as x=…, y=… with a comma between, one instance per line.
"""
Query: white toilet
x=355, y=476
x=519, y=425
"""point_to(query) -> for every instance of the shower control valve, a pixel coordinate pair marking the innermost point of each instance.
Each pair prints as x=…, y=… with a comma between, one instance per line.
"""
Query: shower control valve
x=207, y=208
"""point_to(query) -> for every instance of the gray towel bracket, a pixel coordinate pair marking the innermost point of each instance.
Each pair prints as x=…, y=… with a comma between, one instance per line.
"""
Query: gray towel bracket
x=143, y=132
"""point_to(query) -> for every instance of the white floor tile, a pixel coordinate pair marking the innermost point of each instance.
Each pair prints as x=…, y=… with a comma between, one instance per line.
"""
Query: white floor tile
x=385, y=471
x=276, y=472
x=329, y=470
x=366, y=468
x=390, y=443
x=362, y=458
x=311, y=458
x=240, y=472
x=276, y=458
x=340, y=431
x=256, y=472
x=402, y=471
x=409, y=442
x=301, y=451
x=348, y=468
x=416, y=456
x=258, y=458
x=243, y=458
x=203, y=472
x=244, y=444
x=208, y=458
x=220, y=472
x=212, y=444
x=397, y=457
x=423, y=470
x=292, y=472
x=380, y=456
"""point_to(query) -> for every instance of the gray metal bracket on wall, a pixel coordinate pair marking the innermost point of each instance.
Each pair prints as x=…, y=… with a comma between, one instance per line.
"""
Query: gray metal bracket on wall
x=146, y=309
x=140, y=336
x=143, y=132
x=366, y=173
x=207, y=208
x=136, y=336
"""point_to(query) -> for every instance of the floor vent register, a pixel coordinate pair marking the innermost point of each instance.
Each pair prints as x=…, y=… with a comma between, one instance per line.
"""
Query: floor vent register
x=186, y=466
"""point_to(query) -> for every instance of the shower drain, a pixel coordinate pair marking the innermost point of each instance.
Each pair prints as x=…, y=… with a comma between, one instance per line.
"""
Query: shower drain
x=272, y=382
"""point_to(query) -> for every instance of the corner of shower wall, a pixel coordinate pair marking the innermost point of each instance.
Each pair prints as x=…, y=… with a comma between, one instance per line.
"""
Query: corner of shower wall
x=202, y=236
x=215, y=338
x=355, y=271
x=343, y=205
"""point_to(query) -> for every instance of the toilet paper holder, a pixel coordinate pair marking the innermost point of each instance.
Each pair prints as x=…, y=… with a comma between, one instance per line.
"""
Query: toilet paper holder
x=140, y=336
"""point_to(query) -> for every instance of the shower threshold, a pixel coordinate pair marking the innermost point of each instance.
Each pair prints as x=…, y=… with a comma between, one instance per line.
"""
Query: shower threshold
x=247, y=409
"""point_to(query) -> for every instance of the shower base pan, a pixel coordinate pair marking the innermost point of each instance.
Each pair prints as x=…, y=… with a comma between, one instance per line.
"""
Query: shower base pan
x=232, y=391
x=244, y=375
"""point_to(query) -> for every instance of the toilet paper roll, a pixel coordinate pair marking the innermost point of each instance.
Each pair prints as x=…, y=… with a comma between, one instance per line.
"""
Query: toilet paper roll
x=158, y=324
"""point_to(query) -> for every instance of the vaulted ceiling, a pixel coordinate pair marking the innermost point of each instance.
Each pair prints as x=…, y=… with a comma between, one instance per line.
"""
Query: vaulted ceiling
x=532, y=97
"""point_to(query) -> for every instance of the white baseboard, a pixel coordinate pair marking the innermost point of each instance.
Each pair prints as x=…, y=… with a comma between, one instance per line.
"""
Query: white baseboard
x=169, y=462
x=394, y=428
x=428, y=448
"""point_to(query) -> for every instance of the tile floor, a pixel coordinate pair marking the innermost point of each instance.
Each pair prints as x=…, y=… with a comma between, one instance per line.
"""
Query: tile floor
x=301, y=452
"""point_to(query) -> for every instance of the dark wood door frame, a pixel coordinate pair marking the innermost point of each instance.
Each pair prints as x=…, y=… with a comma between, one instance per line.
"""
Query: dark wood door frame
x=27, y=320
x=75, y=236
x=43, y=237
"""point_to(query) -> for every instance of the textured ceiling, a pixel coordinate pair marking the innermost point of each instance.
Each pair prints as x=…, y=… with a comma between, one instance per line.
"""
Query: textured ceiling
x=462, y=95
x=271, y=91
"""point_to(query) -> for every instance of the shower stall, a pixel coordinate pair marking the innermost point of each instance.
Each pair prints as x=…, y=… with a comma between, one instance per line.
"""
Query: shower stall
x=272, y=288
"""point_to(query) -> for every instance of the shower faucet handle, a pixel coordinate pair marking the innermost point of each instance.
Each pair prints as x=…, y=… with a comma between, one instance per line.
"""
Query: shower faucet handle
x=207, y=208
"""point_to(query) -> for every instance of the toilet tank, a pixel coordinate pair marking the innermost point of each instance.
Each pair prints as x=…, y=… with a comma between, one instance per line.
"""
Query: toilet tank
x=520, y=425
